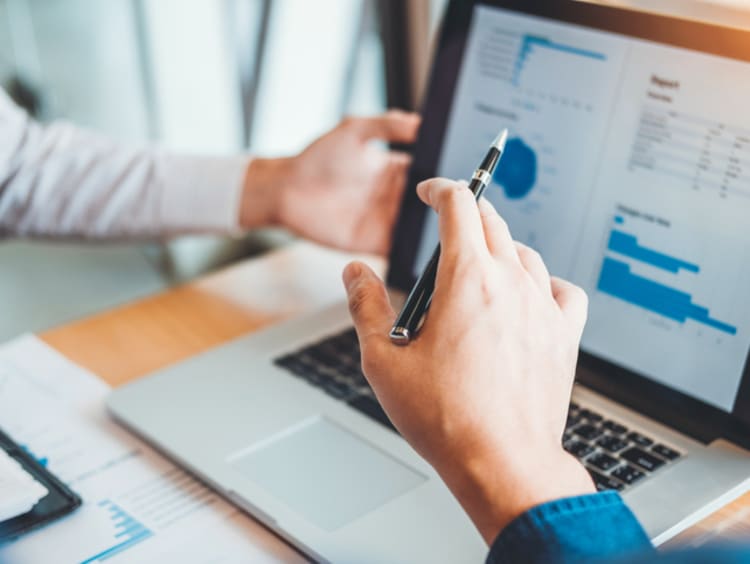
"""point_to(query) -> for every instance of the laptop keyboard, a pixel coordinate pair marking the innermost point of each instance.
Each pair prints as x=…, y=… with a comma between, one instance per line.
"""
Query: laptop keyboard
x=616, y=457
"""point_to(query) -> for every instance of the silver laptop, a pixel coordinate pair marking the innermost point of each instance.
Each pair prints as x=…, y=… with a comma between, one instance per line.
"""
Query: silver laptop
x=628, y=168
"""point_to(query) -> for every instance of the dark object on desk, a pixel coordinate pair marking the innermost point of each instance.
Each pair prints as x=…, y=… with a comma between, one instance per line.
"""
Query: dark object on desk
x=60, y=500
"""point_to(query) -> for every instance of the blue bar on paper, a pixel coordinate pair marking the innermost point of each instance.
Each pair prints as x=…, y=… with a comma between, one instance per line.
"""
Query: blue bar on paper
x=619, y=219
x=627, y=244
x=618, y=281
x=128, y=532
x=118, y=548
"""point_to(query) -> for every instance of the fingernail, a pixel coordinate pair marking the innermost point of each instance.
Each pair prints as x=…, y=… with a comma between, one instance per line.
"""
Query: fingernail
x=351, y=273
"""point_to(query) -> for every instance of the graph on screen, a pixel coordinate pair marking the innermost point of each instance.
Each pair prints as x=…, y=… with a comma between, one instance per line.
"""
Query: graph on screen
x=541, y=67
x=531, y=44
x=517, y=170
x=618, y=278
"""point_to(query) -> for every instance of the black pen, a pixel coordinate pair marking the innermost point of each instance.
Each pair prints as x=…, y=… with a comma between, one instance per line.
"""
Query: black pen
x=409, y=320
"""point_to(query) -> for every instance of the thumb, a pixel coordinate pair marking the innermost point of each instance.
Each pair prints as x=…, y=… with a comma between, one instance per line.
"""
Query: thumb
x=369, y=305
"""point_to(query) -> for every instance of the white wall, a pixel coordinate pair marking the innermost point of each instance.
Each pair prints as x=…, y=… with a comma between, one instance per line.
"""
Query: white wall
x=195, y=75
x=309, y=47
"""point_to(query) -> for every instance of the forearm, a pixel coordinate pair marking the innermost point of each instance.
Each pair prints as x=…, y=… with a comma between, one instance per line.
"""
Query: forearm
x=63, y=181
x=596, y=527
x=494, y=490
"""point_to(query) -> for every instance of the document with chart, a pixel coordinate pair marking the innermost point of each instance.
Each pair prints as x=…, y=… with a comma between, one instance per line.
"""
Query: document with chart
x=628, y=169
x=138, y=507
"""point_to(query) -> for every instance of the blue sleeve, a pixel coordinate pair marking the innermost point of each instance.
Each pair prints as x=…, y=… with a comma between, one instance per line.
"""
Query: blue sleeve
x=590, y=527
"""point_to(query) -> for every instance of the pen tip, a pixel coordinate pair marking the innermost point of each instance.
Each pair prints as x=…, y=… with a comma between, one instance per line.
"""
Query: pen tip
x=499, y=142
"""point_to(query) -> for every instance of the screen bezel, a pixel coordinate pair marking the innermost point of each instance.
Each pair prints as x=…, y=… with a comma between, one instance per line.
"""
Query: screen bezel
x=693, y=417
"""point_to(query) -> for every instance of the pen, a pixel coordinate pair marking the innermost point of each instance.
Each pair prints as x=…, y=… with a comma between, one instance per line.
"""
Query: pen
x=409, y=320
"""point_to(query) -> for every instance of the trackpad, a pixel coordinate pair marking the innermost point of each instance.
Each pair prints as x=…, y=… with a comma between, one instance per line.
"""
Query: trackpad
x=325, y=473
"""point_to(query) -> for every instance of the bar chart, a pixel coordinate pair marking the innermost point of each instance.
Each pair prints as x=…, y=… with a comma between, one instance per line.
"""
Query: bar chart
x=126, y=531
x=532, y=43
x=618, y=279
x=532, y=63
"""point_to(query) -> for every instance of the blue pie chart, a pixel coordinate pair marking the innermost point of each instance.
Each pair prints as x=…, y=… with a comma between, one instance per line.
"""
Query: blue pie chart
x=516, y=171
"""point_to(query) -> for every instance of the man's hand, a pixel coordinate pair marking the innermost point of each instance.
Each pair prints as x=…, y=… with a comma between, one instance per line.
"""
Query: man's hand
x=482, y=393
x=341, y=191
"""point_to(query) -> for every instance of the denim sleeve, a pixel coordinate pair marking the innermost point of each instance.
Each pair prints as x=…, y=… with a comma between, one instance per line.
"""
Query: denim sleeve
x=590, y=527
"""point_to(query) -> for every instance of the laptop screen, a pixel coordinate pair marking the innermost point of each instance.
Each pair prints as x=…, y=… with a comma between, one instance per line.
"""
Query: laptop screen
x=628, y=169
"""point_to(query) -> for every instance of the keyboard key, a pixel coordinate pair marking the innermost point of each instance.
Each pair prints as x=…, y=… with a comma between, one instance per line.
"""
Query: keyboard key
x=587, y=431
x=639, y=439
x=602, y=461
x=337, y=389
x=292, y=365
x=325, y=355
x=578, y=449
x=315, y=378
x=603, y=482
x=590, y=415
x=566, y=437
x=614, y=427
x=572, y=421
x=627, y=474
x=612, y=444
x=641, y=458
x=666, y=452
x=370, y=407
x=574, y=405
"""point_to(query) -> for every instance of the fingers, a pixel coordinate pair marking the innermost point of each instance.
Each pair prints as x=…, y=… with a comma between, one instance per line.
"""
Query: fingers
x=496, y=232
x=534, y=265
x=393, y=125
x=369, y=305
x=573, y=303
x=460, y=226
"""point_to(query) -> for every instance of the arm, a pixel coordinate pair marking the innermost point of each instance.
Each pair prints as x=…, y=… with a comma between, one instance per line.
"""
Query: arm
x=62, y=181
x=587, y=528
x=482, y=393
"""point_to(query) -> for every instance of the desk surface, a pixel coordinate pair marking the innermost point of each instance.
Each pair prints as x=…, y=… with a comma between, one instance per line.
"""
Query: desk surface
x=127, y=342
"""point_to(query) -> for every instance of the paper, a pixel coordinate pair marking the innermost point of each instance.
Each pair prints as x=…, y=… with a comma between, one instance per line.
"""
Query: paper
x=19, y=490
x=138, y=506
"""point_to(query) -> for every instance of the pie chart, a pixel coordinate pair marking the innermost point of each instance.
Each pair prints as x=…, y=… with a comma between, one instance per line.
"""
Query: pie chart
x=516, y=171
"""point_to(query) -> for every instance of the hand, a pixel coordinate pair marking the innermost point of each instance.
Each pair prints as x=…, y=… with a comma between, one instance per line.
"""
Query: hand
x=482, y=393
x=340, y=191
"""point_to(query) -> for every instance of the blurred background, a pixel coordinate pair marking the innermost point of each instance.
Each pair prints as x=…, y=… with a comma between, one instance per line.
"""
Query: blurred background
x=211, y=77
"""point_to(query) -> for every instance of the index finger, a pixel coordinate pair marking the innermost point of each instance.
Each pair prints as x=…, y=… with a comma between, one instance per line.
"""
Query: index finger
x=458, y=215
x=393, y=125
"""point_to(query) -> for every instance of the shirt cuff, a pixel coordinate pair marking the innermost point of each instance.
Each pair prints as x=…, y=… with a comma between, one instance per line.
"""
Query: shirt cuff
x=201, y=194
x=576, y=529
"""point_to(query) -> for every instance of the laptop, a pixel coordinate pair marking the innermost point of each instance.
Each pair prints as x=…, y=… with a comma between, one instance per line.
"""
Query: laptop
x=628, y=168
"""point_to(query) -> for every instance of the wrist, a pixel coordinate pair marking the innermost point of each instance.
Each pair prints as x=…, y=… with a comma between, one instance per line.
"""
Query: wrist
x=262, y=193
x=494, y=491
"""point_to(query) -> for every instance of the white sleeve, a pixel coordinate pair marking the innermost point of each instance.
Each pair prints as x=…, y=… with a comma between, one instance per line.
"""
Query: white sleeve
x=62, y=181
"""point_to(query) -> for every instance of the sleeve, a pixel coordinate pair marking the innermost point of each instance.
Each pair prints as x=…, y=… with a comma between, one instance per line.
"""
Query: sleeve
x=63, y=181
x=596, y=527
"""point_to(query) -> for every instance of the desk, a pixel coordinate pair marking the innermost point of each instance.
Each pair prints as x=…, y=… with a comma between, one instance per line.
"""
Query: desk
x=130, y=341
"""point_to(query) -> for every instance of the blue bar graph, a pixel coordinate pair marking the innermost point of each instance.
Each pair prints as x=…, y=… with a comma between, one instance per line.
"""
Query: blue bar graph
x=128, y=532
x=529, y=42
x=627, y=244
x=617, y=280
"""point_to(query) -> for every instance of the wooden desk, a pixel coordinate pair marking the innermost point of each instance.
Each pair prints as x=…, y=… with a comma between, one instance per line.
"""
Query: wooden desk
x=130, y=341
